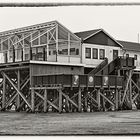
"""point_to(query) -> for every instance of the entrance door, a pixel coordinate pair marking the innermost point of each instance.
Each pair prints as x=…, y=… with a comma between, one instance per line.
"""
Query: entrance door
x=115, y=54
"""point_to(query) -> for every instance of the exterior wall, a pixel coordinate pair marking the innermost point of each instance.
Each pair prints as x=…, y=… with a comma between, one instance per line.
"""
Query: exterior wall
x=44, y=69
x=132, y=54
x=95, y=62
x=69, y=59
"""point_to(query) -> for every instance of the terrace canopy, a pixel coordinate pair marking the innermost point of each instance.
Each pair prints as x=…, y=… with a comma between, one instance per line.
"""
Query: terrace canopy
x=49, y=41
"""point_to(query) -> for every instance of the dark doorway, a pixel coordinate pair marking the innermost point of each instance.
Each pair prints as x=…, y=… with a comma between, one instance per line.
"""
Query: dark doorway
x=115, y=54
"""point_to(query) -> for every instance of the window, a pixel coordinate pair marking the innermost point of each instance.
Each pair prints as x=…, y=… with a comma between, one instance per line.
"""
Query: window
x=127, y=55
x=102, y=53
x=135, y=57
x=88, y=52
x=49, y=52
x=95, y=53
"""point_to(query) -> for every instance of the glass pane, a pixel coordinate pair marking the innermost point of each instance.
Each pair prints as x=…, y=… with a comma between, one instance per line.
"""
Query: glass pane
x=34, y=53
x=63, y=48
x=40, y=54
x=35, y=42
x=74, y=48
x=10, y=56
x=102, y=53
x=18, y=55
x=62, y=33
x=95, y=53
x=43, y=39
x=88, y=53
x=26, y=53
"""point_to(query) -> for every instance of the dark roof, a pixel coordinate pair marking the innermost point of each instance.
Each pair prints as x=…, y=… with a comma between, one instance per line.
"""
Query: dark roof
x=86, y=34
x=132, y=46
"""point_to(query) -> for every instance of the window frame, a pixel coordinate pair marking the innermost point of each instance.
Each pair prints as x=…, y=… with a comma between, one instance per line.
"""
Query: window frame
x=87, y=52
x=94, y=57
x=103, y=54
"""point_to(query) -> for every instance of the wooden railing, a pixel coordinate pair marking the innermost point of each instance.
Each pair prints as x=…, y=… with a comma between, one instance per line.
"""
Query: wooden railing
x=99, y=67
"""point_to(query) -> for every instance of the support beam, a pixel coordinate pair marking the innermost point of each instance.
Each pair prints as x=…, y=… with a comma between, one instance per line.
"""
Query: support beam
x=4, y=91
x=71, y=101
x=17, y=89
x=33, y=100
x=98, y=99
x=116, y=99
x=79, y=101
x=18, y=86
x=60, y=101
x=45, y=100
x=126, y=88
x=107, y=99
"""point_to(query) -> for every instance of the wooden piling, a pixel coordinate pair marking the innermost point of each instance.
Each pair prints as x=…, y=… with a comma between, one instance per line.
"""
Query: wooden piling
x=79, y=101
x=98, y=99
x=45, y=100
x=60, y=101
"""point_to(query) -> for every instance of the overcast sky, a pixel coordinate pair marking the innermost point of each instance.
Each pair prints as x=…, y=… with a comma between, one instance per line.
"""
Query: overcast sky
x=121, y=22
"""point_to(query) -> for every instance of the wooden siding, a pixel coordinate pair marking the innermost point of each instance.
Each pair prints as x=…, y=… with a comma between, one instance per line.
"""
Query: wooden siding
x=95, y=62
x=39, y=69
x=101, y=39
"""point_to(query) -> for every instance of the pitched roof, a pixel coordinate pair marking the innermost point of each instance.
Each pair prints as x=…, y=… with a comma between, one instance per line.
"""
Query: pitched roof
x=131, y=46
x=85, y=34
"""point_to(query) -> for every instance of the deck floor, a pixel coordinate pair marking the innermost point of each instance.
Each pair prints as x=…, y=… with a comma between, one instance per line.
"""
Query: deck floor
x=126, y=122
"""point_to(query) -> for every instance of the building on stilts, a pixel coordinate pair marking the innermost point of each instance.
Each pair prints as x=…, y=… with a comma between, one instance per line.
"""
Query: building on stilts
x=47, y=68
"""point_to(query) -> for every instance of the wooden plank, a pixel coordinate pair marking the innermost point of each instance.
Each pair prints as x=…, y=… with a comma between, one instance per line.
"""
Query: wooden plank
x=23, y=85
x=98, y=100
x=23, y=97
x=11, y=99
x=14, y=68
x=92, y=98
x=70, y=100
x=79, y=101
x=56, y=100
x=60, y=101
x=18, y=86
x=45, y=100
x=4, y=91
x=107, y=99
x=39, y=95
x=134, y=98
x=130, y=92
x=32, y=100
x=116, y=99
x=126, y=88
x=54, y=106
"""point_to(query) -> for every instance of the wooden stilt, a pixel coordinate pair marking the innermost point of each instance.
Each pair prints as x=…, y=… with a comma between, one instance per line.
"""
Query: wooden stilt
x=130, y=92
x=4, y=91
x=116, y=99
x=86, y=105
x=32, y=100
x=98, y=99
x=18, y=86
x=60, y=101
x=79, y=101
x=45, y=100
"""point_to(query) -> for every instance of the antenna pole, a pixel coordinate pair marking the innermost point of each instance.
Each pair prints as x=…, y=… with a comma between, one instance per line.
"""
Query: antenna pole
x=138, y=37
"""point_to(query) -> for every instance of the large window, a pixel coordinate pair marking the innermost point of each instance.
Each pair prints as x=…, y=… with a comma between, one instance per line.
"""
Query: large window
x=95, y=53
x=135, y=56
x=102, y=54
x=88, y=53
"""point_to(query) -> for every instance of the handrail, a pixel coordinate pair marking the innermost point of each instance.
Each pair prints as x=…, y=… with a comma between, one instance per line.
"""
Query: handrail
x=113, y=61
x=100, y=66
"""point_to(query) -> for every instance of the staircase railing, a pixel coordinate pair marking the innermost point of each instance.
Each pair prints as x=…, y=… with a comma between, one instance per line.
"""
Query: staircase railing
x=99, y=67
x=107, y=69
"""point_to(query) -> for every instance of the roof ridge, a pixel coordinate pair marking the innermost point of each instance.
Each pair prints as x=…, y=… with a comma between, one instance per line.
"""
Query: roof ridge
x=7, y=32
x=89, y=30
x=129, y=41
